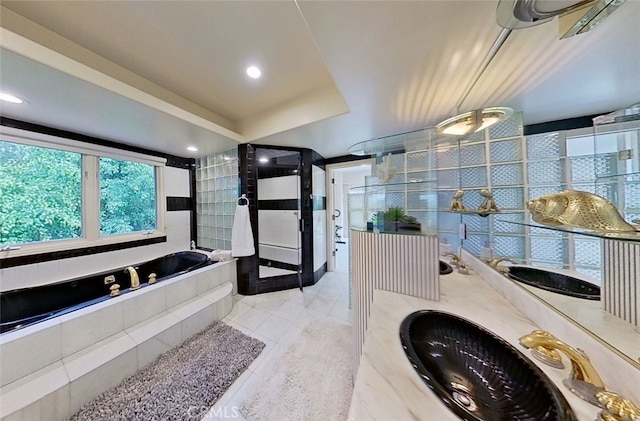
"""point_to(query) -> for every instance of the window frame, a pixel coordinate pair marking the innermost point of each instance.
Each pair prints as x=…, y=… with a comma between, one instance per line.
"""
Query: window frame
x=91, y=154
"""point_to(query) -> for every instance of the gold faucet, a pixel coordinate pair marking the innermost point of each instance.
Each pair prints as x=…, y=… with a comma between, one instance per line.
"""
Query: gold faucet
x=457, y=261
x=616, y=407
x=502, y=268
x=454, y=259
x=581, y=368
x=585, y=380
x=494, y=263
x=135, y=281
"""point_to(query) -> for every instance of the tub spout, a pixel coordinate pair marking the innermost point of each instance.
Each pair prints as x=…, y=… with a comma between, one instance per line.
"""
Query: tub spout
x=135, y=281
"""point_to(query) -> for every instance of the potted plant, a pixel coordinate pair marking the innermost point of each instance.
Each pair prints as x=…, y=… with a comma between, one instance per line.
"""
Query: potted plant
x=394, y=219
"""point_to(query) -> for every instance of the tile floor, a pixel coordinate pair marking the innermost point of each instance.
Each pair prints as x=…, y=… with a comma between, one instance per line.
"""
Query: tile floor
x=276, y=319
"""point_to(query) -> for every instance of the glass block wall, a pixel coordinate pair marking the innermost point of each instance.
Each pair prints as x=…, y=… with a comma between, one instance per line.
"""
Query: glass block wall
x=558, y=161
x=492, y=159
x=216, y=198
x=517, y=168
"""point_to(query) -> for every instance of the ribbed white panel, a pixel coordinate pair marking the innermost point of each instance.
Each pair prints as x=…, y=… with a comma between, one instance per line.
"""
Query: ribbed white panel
x=621, y=280
x=407, y=264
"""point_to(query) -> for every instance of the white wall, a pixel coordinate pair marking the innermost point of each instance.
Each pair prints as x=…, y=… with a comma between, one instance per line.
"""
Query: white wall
x=319, y=219
x=177, y=182
x=177, y=228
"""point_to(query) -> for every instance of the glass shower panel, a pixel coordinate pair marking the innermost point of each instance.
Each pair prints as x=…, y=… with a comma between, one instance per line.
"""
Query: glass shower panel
x=278, y=191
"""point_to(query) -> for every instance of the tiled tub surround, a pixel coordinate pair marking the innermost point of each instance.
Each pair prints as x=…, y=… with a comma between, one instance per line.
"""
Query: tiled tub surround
x=23, y=307
x=387, y=387
x=49, y=370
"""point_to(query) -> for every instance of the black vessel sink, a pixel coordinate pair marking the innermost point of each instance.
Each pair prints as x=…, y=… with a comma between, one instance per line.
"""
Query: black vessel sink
x=554, y=282
x=476, y=374
x=445, y=268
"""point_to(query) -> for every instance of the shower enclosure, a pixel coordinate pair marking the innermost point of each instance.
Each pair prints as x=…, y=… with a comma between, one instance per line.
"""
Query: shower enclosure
x=278, y=182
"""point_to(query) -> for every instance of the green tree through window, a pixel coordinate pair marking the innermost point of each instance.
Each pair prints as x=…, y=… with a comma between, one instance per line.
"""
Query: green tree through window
x=40, y=194
x=127, y=196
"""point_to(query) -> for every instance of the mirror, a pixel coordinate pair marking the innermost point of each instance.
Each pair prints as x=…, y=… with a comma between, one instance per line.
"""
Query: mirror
x=278, y=192
x=603, y=160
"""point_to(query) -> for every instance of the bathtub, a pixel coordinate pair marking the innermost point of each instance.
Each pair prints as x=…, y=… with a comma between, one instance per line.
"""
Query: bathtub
x=90, y=349
x=23, y=307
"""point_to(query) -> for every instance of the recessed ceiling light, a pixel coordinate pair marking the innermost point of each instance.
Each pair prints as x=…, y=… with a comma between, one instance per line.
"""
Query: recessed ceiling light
x=253, y=72
x=263, y=160
x=192, y=148
x=11, y=98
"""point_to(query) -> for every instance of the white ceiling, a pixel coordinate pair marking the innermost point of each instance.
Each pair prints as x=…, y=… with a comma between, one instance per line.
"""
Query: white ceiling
x=167, y=74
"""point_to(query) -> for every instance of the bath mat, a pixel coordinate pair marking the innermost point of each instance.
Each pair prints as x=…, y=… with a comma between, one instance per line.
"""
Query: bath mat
x=182, y=384
x=311, y=381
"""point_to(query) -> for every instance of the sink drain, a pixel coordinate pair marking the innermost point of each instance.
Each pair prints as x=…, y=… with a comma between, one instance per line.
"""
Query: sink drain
x=461, y=396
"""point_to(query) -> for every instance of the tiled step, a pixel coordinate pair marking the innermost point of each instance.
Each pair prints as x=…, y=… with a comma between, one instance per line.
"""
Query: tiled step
x=61, y=388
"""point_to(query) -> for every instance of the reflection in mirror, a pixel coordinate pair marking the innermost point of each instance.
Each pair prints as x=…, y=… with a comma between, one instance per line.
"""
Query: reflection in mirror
x=602, y=160
x=278, y=192
x=578, y=302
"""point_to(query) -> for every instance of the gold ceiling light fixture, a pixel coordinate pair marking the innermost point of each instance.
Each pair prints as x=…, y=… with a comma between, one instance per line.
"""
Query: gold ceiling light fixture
x=473, y=121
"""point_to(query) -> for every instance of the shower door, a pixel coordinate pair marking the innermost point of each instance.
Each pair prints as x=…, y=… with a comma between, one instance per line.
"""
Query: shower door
x=279, y=217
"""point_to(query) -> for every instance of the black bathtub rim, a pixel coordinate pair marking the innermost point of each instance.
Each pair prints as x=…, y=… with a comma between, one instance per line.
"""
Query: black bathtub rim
x=583, y=296
x=37, y=319
x=110, y=271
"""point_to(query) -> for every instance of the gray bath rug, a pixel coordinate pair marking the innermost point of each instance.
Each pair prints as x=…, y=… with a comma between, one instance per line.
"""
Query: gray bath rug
x=311, y=381
x=182, y=384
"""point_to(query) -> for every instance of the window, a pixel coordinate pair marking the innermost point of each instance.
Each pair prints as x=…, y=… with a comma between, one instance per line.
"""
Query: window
x=127, y=196
x=40, y=194
x=60, y=194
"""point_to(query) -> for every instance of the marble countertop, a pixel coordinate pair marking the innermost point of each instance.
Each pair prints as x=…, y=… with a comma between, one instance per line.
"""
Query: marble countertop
x=388, y=388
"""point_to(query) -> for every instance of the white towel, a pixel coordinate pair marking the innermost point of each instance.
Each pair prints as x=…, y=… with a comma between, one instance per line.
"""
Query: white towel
x=242, y=235
x=221, y=255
